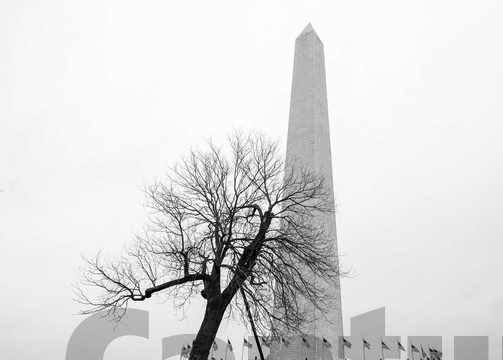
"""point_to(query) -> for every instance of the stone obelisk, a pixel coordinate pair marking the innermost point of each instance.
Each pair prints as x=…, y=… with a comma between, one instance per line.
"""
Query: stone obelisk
x=309, y=143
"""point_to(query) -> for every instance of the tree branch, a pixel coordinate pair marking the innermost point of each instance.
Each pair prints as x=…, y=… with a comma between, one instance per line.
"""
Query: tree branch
x=166, y=285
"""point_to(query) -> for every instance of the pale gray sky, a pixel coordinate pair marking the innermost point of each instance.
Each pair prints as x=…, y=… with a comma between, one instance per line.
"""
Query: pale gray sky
x=98, y=96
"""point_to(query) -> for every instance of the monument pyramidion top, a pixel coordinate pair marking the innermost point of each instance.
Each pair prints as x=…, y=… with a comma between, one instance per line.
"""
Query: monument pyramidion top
x=308, y=30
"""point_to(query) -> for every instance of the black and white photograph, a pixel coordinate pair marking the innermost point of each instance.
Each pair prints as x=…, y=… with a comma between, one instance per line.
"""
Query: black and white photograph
x=259, y=180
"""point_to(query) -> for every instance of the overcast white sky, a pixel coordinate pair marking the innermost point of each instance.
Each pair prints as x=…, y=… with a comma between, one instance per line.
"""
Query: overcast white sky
x=96, y=97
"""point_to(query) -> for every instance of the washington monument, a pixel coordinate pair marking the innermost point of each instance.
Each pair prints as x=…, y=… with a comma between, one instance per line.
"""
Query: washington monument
x=309, y=143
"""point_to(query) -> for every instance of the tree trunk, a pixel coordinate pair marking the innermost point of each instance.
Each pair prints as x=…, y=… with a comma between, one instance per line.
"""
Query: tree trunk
x=213, y=315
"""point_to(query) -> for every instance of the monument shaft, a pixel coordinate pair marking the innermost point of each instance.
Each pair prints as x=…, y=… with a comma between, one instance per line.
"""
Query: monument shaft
x=309, y=143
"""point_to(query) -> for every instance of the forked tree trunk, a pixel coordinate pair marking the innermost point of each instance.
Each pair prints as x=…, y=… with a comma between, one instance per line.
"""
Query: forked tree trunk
x=204, y=339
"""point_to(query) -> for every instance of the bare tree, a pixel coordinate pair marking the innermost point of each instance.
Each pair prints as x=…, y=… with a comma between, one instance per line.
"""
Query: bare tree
x=221, y=221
